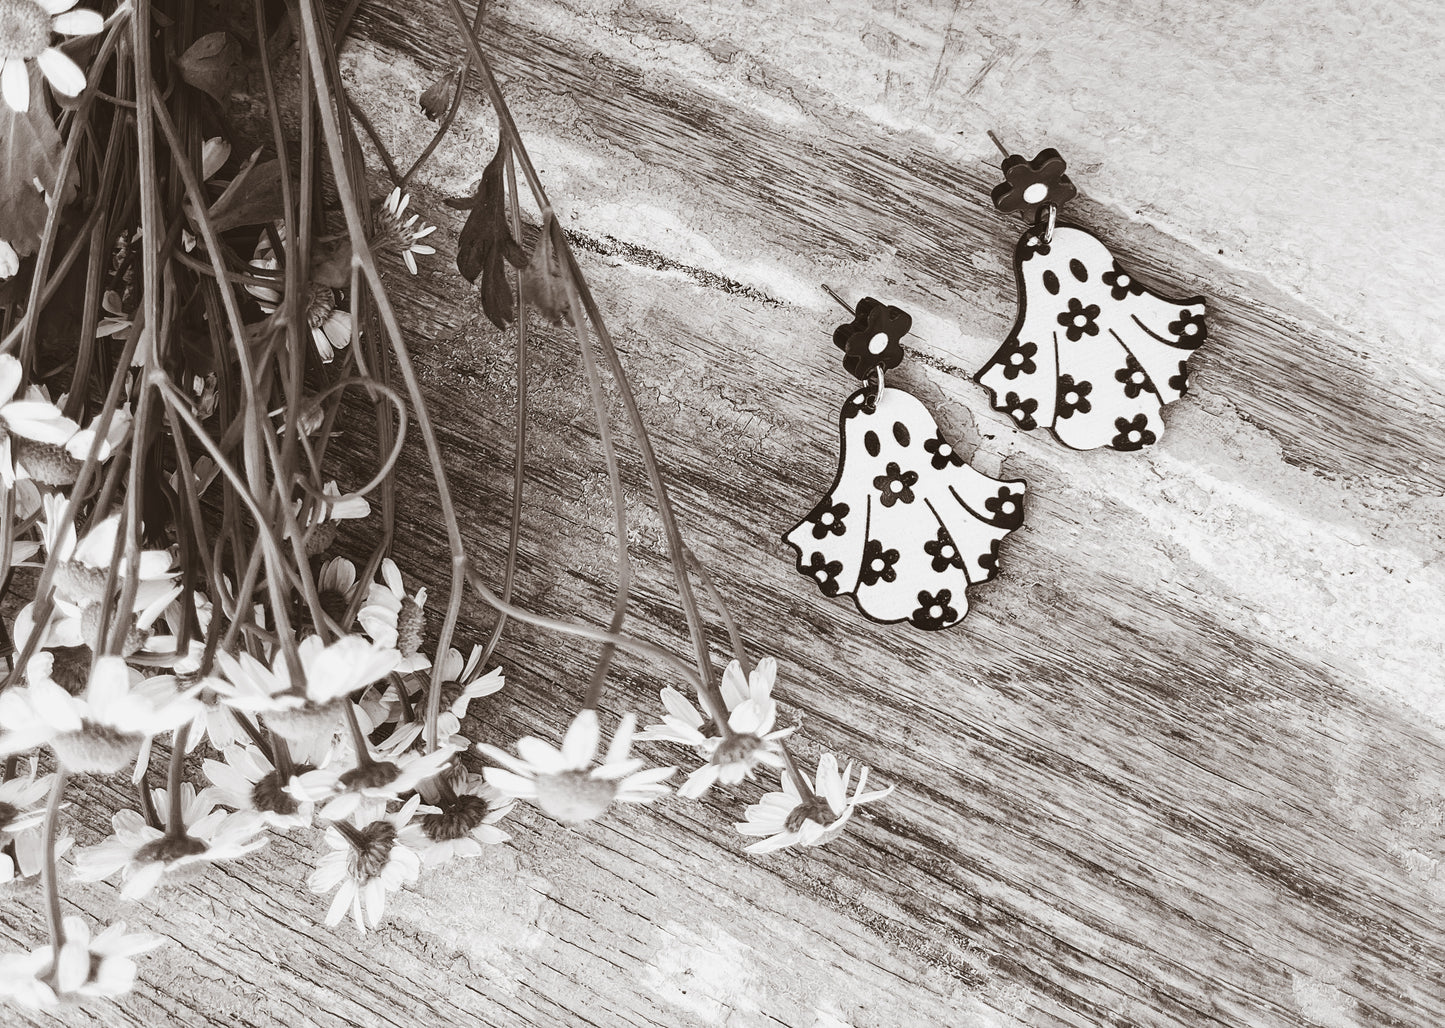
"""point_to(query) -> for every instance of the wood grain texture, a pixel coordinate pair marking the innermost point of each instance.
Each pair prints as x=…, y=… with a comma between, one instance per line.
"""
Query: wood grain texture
x=1181, y=764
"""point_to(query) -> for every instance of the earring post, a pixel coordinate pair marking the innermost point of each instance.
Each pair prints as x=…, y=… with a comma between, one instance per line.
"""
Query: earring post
x=996, y=142
x=842, y=302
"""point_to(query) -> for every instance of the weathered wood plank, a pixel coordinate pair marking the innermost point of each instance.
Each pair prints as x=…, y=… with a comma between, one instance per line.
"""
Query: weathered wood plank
x=1179, y=766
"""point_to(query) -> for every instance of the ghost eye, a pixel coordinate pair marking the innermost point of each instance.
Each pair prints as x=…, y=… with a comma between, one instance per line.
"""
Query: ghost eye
x=1051, y=282
x=1076, y=267
x=870, y=443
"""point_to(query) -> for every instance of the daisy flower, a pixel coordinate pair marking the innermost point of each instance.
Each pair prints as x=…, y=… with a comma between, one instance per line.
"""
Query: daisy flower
x=403, y=237
x=22, y=801
x=465, y=818
x=306, y=711
x=325, y=516
x=57, y=465
x=99, y=732
x=392, y=618
x=39, y=420
x=564, y=784
x=330, y=326
x=246, y=780
x=23, y=856
x=83, y=567
x=366, y=862
x=750, y=739
x=145, y=854
x=25, y=30
x=22, y=810
x=371, y=784
x=100, y=967
x=787, y=818
x=460, y=685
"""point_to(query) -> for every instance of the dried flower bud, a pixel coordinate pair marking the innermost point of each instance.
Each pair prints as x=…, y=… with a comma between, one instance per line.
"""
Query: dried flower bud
x=438, y=96
x=545, y=278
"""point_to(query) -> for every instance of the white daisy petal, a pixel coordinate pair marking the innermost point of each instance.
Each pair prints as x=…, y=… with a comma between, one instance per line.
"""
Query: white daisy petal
x=63, y=74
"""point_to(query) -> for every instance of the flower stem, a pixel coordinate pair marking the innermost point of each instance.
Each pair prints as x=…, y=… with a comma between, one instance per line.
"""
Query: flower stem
x=175, y=818
x=52, y=887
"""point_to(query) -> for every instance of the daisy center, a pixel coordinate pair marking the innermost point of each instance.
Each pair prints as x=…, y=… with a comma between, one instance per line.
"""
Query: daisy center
x=371, y=850
x=1036, y=193
x=1081, y=320
x=816, y=809
x=878, y=343
x=24, y=29
x=98, y=749
x=739, y=749
x=320, y=305
x=457, y=818
x=410, y=623
x=269, y=794
x=574, y=795
x=50, y=464
x=371, y=775
x=169, y=848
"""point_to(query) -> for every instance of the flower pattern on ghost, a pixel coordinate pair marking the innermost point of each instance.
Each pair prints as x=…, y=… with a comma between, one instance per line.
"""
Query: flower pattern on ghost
x=829, y=520
x=943, y=551
x=1179, y=381
x=1102, y=321
x=877, y=563
x=1007, y=507
x=1022, y=410
x=1079, y=320
x=1121, y=283
x=1018, y=359
x=1133, y=377
x=895, y=485
x=989, y=561
x=934, y=610
x=919, y=518
x=1033, y=245
x=1190, y=328
x=941, y=453
x=1073, y=397
x=1133, y=434
x=825, y=572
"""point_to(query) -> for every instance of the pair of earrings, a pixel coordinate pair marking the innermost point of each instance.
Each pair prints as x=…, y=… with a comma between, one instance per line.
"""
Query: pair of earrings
x=908, y=525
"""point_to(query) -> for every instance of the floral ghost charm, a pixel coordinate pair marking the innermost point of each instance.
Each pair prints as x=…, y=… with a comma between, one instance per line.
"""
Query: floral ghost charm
x=1094, y=355
x=907, y=525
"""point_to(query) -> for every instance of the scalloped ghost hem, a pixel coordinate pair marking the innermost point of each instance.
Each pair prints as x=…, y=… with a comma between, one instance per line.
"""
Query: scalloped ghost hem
x=908, y=525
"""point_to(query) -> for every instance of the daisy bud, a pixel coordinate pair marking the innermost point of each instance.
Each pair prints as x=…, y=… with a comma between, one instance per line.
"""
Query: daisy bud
x=437, y=97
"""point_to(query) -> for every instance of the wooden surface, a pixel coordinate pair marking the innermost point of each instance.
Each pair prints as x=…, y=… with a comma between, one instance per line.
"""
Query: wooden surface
x=1182, y=763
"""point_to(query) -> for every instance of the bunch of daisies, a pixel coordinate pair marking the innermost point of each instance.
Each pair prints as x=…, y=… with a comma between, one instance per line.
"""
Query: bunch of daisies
x=195, y=604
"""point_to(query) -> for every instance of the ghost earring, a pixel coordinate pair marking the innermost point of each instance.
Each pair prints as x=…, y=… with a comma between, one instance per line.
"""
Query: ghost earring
x=1094, y=355
x=908, y=525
